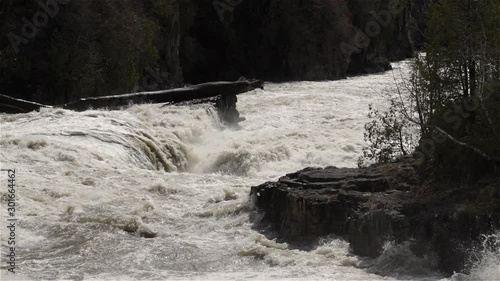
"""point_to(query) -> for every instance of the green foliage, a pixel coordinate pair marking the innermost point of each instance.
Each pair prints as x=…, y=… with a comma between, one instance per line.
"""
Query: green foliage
x=388, y=136
x=462, y=73
x=453, y=92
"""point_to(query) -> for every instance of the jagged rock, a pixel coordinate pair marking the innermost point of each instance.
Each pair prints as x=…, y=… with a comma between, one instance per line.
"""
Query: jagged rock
x=369, y=206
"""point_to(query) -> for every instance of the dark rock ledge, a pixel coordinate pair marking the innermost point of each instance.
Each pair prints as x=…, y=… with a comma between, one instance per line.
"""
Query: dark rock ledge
x=369, y=206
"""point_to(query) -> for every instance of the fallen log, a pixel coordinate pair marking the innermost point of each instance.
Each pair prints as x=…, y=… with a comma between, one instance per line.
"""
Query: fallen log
x=13, y=105
x=221, y=90
x=195, y=92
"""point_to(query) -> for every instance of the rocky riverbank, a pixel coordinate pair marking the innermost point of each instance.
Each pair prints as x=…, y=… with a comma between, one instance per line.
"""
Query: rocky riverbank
x=383, y=202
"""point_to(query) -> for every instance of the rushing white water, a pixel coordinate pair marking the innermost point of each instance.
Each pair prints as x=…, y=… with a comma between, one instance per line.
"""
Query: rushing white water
x=83, y=178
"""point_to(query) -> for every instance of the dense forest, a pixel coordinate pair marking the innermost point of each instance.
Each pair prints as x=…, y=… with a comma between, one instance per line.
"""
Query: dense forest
x=55, y=51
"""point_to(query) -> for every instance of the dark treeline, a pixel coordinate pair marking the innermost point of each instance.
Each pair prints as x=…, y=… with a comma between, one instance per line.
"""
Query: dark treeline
x=55, y=51
x=86, y=47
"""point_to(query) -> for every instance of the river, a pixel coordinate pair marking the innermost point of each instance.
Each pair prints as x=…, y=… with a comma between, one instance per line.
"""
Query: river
x=85, y=177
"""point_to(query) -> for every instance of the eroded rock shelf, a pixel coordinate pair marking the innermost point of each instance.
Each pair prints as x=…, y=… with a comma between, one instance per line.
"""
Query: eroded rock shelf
x=369, y=206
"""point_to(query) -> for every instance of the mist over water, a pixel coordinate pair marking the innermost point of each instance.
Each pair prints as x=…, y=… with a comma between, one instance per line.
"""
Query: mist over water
x=85, y=178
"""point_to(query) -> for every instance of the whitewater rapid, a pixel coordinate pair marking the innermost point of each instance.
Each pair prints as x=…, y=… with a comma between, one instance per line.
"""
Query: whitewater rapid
x=84, y=179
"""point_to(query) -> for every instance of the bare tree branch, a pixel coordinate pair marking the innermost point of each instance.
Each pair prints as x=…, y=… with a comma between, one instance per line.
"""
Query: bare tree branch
x=475, y=149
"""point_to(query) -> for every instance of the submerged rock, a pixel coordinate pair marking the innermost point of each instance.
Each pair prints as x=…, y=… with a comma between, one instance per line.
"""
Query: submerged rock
x=369, y=206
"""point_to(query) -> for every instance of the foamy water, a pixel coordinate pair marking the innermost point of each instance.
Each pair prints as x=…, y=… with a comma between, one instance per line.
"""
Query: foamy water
x=83, y=178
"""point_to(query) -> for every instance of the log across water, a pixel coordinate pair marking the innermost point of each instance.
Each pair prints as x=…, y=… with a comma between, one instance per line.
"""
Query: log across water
x=224, y=94
x=200, y=91
x=13, y=105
